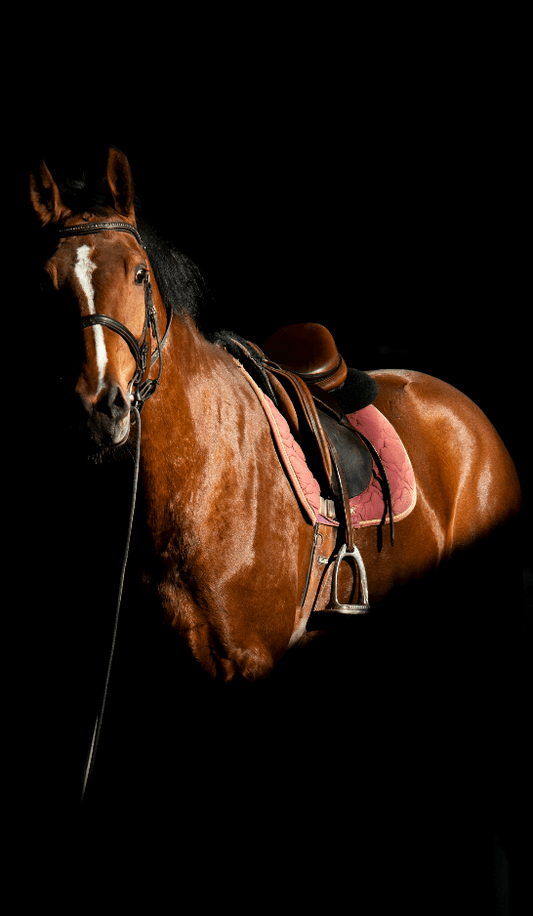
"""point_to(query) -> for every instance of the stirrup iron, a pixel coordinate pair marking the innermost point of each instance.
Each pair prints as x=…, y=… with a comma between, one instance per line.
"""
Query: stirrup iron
x=334, y=605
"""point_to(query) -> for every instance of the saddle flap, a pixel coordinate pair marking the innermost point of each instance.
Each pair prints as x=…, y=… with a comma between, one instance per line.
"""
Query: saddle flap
x=336, y=453
x=354, y=457
x=297, y=404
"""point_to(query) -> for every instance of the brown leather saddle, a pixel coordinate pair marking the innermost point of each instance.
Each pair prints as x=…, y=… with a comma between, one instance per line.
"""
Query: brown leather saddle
x=300, y=368
x=305, y=366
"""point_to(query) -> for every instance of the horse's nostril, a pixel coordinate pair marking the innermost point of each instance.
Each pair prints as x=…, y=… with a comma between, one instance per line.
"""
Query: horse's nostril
x=114, y=403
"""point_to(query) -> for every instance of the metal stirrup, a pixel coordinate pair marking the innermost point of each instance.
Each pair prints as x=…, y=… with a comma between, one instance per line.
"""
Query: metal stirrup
x=334, y=605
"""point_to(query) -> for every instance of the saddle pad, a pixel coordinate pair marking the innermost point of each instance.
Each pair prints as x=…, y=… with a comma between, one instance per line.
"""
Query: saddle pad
x=293, y=458
x=367, y=508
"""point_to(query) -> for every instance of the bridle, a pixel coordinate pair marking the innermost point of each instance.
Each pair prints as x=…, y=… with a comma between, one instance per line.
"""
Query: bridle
x=140, y=390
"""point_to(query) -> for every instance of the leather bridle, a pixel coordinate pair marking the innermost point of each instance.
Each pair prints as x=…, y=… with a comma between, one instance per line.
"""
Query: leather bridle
x=140, y=390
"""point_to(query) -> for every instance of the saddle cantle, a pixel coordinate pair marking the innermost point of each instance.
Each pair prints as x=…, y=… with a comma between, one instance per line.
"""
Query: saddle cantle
x=309, y=350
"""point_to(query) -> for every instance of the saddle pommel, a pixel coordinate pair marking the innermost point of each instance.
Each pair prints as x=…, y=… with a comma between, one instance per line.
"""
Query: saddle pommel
x=310, y=351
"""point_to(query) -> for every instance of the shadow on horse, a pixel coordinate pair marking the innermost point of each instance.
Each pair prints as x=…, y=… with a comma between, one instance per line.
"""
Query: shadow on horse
x=380, y=725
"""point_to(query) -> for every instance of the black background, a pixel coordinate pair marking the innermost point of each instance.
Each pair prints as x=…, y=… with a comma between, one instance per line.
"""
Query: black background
x=381, y=195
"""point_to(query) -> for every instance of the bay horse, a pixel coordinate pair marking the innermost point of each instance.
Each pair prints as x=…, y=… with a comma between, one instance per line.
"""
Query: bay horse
x=228, y=574
x=219, y=541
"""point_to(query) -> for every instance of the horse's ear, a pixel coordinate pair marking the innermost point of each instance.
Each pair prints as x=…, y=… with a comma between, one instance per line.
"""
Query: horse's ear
x=45, y=197
x=121, y=184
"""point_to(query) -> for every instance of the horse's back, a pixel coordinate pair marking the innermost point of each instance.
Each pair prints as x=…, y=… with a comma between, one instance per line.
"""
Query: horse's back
x=458, y=456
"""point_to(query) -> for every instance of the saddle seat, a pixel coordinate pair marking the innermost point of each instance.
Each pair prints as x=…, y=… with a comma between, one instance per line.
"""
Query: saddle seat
x=310, y=351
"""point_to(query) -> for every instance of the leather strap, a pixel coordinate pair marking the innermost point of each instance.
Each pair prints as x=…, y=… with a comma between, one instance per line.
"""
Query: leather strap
x=90, y=320
x=344, y=496
x=90, y=228
x=139, y=348
x=315, y=593
x=308, y=407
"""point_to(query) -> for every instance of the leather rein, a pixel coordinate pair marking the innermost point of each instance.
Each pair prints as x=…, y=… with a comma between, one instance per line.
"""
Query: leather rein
x=140, y=391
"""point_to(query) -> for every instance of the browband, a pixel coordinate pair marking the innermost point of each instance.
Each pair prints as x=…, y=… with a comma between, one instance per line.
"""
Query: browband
x=89, y=228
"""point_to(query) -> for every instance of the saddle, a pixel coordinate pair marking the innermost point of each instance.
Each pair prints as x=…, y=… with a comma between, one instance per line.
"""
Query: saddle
x=306, y=370
x=301, y=370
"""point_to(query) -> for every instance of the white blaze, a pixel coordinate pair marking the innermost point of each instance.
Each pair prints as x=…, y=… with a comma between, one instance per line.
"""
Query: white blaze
x=83, y=270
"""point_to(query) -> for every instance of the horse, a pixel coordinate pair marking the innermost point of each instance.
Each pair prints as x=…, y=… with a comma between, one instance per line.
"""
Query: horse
x=220, y=545
x=228, y=575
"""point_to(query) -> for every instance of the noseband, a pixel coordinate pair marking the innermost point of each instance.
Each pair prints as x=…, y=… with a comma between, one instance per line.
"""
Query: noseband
x=139, y=390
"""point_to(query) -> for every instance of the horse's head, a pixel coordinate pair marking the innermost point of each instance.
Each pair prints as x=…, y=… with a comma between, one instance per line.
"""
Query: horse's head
x=99, y=286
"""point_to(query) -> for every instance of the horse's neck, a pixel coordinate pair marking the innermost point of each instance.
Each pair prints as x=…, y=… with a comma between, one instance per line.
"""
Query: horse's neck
x=214, y=494
x=201, y=431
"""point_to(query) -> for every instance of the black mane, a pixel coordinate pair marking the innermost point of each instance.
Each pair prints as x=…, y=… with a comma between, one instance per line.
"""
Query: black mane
x=179, y=281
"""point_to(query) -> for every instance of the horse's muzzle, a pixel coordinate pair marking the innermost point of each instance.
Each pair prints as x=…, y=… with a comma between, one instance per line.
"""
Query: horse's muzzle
x=107, y=419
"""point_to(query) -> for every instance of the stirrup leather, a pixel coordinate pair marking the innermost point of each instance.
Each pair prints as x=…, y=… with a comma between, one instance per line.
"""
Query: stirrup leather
x=334, y=605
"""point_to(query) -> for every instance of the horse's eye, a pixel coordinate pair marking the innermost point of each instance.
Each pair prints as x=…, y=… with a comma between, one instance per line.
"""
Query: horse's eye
x=141, y=275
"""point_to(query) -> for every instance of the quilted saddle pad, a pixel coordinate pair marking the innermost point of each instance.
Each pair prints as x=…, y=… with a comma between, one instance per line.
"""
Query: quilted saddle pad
x=367, y=508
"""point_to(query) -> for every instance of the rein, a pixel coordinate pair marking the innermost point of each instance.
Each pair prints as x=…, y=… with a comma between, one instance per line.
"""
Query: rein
x=98, y=724
x=140, y=392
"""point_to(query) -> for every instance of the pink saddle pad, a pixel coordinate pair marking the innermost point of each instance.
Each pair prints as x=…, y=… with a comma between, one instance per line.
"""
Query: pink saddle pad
x=367, y=508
